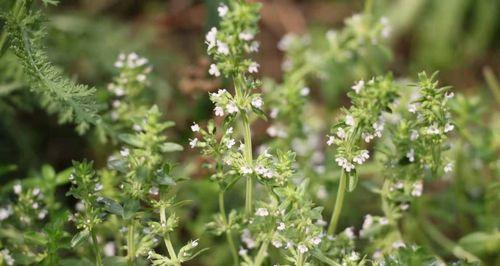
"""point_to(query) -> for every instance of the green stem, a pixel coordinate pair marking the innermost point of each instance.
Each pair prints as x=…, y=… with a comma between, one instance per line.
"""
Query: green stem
x=130, y=244
x=338, y=204
x=300, y=260
x=229, y=234
x=492, y=83
x=261, y=254
x=239, y=84
x=452, y=247
x=97, y=253
x=166, y=237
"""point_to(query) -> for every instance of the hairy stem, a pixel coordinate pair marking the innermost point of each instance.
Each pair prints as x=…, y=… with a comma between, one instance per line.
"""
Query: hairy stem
x=261, y=254
x=97, y=253
x=229, y=234
x=338, y=204
x=166, y=237
x=130, y=243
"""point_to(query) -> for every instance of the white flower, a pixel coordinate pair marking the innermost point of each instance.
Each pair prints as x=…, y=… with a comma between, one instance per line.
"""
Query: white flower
x=253, y=67
x=322, y=193
x=448, y=127
x=281, y=226
x=211, y=37
x=346, y=165
x=304, y=91
x=229, y=131
x=116, y=104
x=18, y=189
x=361, y=157
x=230, y=143
x=414, y=135
x=194, y=243
x=358, y=86
x=222, y=48
x=367, y=223
x=349, y=120
x=231, y=108
x=302, y=248
x=242, y=252
x=141, y=77
x=433, y=130
x=316, y=240
x=276, y=243
x=417, y=189
x=386, y=27
x=354, y=256
x=4, y=213
x=109, y=249
x=154, y=191
x=274, y=112
x=218, y=111
x=341, y=133
x=136, y=127
x=246, y=237
x=42, y=214
x=98, y=187
x=125, y=152
x=411, y=155
x=254, y=47
x=219, y=93
x=379, y=127
x=7, y=257
x=246, y=170
x=214, y=71
x=246, y=36
x=193, y=143
x=222, y=9
x=383, y=221
x=331, y=35
x=404, y=206
x=262, y=212
x=330, y=140
x=412, y=108
x=398, y=244
x=349, y=232
x=257, y=102
x=449, y=95
x=36, y=191
x=195, y=127
x=285, y=42
x=448, y=168
x=367, y=137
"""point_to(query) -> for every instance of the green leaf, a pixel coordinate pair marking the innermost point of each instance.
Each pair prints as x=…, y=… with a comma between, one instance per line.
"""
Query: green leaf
x=112, y=206
x=481, y=243
x=78, y=238
x=131, y=140
x=114, y=261
x=118, y=165
x=170, y=147
x=353, y=180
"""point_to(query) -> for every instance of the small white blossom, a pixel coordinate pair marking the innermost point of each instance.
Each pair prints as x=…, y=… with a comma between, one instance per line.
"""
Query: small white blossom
x=231, y=108
x=412, y=108
x=276, y=243
x=254, y=47
x=246, y=170
x=414, y=135
x=330, y=140
x=433, y=130
x=349, y=232
x=137, y=128
x=222, y=48
x=218, y=111
x=9, y=260
x=386, y=27
x=222, y=10
x=42, y=214
x=367, y=223
x=411, y=155
x=193, y=142
x=281, y=226
x=125, y=152
x=304, y=91
x=361, y=157
x=211, y=38
x=316, y=240
x=341, y=133
x=448, y=127
x=154, y=191
x=242, y=252
x=98, y=187
x=36, y=191
x=358, y=86
x=404, y=206
x=349, y=120
x=230, y=143
x=194, y=243
x=398, y=244
x=253, y=67
x=109, y=249
x=246, y=36
x=214, y=70
x=417, y=189
x=195, y=127
x=262, y=212
x=302, y=248
x=4, y=213
x=141, y=77
x=257, y=102
x=448, y=167
x=18, y=189
x=449, y=95
x=367, y=137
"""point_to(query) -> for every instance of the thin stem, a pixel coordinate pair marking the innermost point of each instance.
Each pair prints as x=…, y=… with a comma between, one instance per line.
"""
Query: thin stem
x=131, y=244
x=229, y=234
x=261, y=254
x=446, y=243
x=166, y=237
x=239, y=84
x=492, y=83
x=300, y=260
x=338, y=204
x=97, y=253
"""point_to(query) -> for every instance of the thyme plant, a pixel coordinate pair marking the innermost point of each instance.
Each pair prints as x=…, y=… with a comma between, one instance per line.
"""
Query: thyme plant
x=376, y=188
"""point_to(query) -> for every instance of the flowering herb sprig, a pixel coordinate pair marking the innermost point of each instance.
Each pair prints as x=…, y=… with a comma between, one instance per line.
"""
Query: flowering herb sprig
x=86, y=187
x=361, y=123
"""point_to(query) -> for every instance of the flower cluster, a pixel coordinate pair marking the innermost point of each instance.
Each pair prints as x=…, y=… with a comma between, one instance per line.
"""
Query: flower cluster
x=362, y=122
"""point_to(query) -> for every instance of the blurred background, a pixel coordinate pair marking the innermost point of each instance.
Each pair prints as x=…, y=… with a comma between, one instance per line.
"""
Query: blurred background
x=460, y=38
